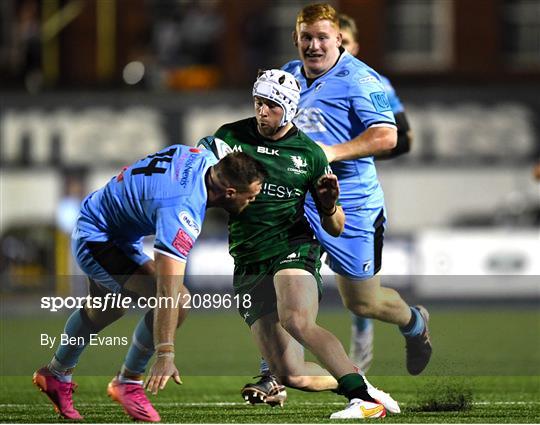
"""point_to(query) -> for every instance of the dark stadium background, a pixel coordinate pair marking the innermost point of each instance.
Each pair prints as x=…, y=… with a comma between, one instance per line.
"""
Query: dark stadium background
x=87, y=86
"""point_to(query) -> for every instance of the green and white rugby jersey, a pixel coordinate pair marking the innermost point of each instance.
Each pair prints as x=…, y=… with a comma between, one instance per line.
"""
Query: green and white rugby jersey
x=275, y=221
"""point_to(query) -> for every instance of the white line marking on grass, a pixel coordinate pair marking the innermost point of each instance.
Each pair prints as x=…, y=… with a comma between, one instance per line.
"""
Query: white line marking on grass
x=234, y=403
x=503, y=403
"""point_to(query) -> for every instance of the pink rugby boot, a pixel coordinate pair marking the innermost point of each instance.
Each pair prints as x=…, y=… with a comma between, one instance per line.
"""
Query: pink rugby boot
x=58, y=392
x=133, y=400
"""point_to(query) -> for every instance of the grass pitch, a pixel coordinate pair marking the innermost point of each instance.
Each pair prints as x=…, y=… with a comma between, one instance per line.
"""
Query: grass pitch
x=485, y=369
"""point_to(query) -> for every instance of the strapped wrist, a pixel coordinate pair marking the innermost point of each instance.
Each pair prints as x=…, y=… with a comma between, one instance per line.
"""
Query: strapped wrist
x=165, y=344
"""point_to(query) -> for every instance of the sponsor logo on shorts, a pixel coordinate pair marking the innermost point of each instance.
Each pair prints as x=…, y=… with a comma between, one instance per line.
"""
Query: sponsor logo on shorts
x=191, y=225
x=291, y=257
x=183, y=242
x=366, y=266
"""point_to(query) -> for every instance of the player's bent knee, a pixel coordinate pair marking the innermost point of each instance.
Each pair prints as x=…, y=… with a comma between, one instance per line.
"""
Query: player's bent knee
x=361, y=308
x=296, y=325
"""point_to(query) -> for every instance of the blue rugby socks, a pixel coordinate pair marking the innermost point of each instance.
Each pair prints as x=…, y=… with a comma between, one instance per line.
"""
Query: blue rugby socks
x=415, y=326
x=140, y=351
x=74, y=340
x=362, y=323
x=264, y=369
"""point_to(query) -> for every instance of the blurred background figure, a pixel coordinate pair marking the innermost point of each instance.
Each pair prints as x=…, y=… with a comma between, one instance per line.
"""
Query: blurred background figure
x=186, y=37
x=27, y=45
x=70, y=204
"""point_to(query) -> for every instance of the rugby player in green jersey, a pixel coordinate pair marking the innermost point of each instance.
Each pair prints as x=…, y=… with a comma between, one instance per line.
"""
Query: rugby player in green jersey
x=275, y=253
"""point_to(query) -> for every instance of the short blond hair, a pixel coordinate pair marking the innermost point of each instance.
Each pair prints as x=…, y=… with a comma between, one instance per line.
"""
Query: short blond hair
x=317, y=12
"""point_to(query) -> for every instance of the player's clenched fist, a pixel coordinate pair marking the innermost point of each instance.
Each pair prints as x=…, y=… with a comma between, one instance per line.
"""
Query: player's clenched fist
x=328, y=191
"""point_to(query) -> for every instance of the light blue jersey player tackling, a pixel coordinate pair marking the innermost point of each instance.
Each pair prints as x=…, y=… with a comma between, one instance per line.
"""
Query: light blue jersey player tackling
x=163, y=194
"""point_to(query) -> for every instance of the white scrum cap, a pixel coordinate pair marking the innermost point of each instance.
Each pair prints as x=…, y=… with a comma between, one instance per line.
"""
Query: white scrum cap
x=280, y=87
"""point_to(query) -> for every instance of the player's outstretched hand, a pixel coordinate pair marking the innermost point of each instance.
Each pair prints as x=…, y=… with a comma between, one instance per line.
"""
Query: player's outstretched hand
x=328, y=191
x=163, y=369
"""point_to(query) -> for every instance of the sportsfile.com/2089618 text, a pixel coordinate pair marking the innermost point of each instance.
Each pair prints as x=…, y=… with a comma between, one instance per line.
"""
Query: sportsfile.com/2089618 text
x=114, y=300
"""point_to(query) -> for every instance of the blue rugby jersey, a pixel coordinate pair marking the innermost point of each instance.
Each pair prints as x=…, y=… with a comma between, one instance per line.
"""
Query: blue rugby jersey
x=336, y=108
x=163, y=194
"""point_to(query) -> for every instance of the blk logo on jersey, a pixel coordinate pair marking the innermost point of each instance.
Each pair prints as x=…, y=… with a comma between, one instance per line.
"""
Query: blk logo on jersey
x=380, y=101
x=267, y=151
x=183, y=242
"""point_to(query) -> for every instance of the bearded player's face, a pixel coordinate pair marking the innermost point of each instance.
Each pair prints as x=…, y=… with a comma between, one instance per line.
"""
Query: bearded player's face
x=268, y=115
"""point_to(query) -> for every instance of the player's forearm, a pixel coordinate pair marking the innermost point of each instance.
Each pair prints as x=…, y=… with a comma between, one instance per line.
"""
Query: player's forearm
x=333, y=221
x=373, y=141
x=170, y=281
x=166, y=316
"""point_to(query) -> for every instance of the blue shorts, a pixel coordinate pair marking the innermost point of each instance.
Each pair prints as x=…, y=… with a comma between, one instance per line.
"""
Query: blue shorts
x=109, y=263
x=357, y=253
